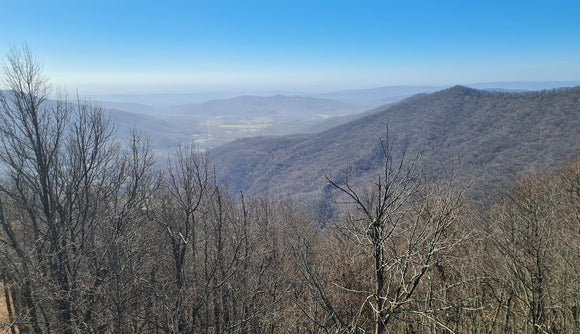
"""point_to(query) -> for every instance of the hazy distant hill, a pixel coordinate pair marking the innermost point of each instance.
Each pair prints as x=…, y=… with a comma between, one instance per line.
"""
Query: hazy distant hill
x=374, y=97
x=137, y=108
x=164, y=136
x=492, y=136
x=288, y=107
x=216, y=122
x=221, y=121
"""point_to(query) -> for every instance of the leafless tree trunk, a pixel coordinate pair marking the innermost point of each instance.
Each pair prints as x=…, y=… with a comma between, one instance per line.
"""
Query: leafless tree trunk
x=403, y=229
x=188, y=188
x=32, y=134
x=63, y=169
x=534, y=232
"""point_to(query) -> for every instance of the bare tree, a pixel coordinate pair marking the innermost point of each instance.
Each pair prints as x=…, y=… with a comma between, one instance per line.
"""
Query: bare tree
x=186, y=191
x=534, y=236
x=404, y=230
x=32, y=134
x=63, y=171
x=124, y=249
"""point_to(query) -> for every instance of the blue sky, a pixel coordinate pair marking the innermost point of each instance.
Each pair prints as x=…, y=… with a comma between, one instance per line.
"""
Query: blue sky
x=182, y=46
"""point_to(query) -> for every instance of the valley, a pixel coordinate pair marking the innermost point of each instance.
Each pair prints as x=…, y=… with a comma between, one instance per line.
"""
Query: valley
x=291, y=167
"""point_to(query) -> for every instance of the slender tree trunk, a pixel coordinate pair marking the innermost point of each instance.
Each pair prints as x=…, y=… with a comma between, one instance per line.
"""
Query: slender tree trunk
x=29, y=302
x=9, y=306
x=380, y=317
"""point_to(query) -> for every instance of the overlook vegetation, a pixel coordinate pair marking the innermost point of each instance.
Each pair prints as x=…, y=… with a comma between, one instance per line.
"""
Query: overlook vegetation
x=98, y=236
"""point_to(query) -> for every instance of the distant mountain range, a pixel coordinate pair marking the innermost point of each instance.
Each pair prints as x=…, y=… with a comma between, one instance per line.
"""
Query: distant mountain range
x=488, y=136
x=216, y=122
x=364, y=97
x=172, y=118
x=289, y=107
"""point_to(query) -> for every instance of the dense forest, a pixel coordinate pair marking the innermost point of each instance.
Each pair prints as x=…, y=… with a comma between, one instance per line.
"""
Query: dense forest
x=98, y=236
x=488, y=137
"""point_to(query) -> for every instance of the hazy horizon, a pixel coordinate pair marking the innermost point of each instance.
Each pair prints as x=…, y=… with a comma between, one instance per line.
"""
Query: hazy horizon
x=129, y=47
x=167, y=99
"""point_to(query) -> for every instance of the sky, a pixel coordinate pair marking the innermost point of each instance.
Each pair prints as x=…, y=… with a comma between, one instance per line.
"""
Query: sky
x=105, y=47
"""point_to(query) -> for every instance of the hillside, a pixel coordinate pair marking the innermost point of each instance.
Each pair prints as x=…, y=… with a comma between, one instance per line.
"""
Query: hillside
x=490, y=137
x=163, y=134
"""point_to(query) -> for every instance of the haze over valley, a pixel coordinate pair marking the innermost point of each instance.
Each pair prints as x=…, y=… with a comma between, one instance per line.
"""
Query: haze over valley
x=214, y=122
x=248, y=167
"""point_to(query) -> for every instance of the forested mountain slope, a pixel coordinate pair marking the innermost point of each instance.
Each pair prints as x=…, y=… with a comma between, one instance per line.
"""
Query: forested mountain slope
x=98, y=236
x=488, y=137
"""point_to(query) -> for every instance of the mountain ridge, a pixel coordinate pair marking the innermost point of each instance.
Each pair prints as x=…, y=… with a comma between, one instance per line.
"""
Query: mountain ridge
x=492, y=135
